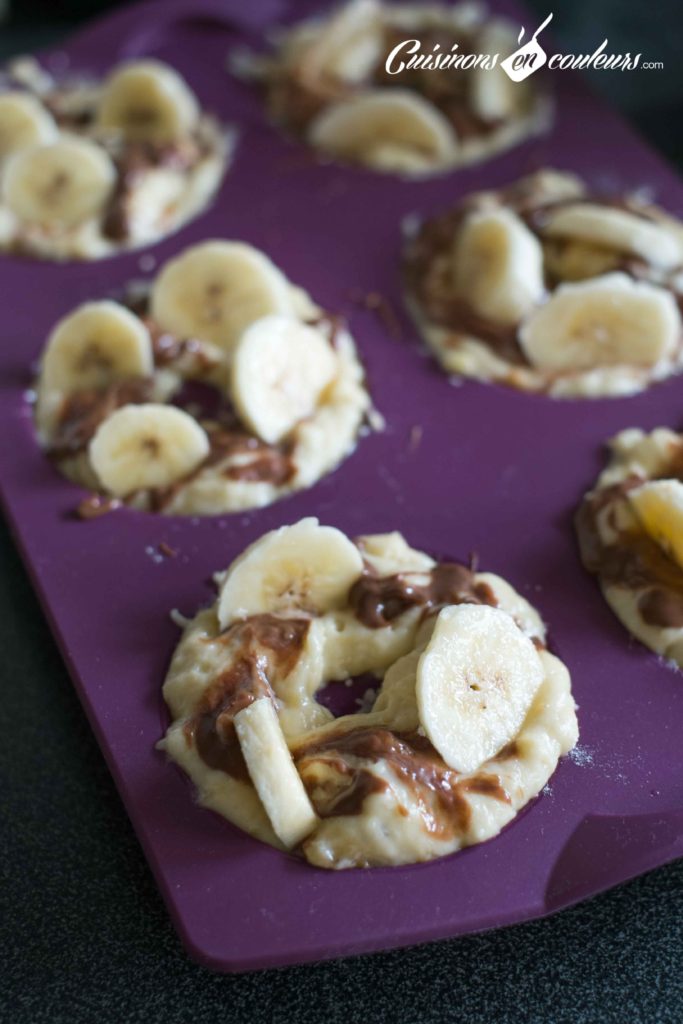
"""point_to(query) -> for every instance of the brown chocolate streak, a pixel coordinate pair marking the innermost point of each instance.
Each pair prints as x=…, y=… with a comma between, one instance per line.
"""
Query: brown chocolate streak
x=437, y=789
x=137, y=159
x=378, y=600
x=267, y=650
x=83, y=412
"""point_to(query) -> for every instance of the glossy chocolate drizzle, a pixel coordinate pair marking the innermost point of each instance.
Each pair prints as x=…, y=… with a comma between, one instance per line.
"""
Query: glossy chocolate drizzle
x=266, y=651
x=436, y=788
x=378, y=600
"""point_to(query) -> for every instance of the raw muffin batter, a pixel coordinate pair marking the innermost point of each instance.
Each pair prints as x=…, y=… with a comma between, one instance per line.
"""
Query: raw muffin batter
x=327, y=82
x=282, y=402
x=470, y=720
x=90, y=168
x=630, y=529
x=546, y=286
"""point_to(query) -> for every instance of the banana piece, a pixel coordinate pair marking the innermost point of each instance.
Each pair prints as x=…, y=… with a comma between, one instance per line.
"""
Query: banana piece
x=147, y=101
x=381, y=119
x=301, y=568
x=475, y=683
x=98, y=343
x=606, y=321
x=498, y=265
x=658, y=505
x=273, y=772
x=61, y=183
x=24, y=122
x=280, y=369
x=616, y=229
x=215, y=290
x=148, y=445
x=491, y=91
x=349, y=46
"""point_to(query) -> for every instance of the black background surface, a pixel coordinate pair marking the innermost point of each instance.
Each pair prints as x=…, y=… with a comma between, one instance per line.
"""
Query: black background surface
x=84, y=936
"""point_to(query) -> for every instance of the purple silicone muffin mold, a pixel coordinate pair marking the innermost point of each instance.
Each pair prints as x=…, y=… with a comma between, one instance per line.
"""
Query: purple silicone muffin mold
x=494, y=471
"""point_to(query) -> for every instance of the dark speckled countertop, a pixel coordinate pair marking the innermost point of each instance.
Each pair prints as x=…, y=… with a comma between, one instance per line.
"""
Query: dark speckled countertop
x=84, y=936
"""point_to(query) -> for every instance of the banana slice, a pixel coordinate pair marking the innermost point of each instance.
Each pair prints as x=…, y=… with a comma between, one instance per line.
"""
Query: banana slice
x=215, y=290
x=24, y=122
x=149, y=445
x=349, y=45
x=147, y=100
x=659, y=507
x=606, y=321
x=304, y=567
x=491, y=91
x=280, y=369
x=381, y=118
x=61, y=183
x=616, y=229
x=98, y=343
x=273, y=772
x=475, y=683
x=498, y=265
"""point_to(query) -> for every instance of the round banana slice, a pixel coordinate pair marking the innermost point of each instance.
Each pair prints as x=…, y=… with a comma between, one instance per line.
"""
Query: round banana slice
x=659, y=507
x=24, y=122
x=498, y=265
x=280, y=369
x=148, y=101
x=273, y=773
x=606, y=321
x=379, y=118
x=301, y=568
x=349, y=45
x=215, y=290
x=616, y=229
x=475, y=683
x=61, y=183
x=150, y=445
x=98, y=343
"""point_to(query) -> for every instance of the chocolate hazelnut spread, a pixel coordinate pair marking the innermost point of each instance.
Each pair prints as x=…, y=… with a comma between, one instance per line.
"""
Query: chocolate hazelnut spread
x=378, y=600
x=268, y=650
x=83, y=412
x=438, y=790
x=263, y=463
x=634, y=561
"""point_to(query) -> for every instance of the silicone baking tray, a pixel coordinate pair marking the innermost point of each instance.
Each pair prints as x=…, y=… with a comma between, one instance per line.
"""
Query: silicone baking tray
x=494, y=471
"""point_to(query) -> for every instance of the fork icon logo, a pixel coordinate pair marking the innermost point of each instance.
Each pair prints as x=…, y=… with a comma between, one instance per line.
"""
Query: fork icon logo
x=527, y=58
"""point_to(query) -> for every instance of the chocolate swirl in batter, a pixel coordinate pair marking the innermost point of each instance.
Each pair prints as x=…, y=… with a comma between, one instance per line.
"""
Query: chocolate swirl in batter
x=437, y=789
x=136, y=160
x=83, y=412
x=267, y=650
x=378, y=600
